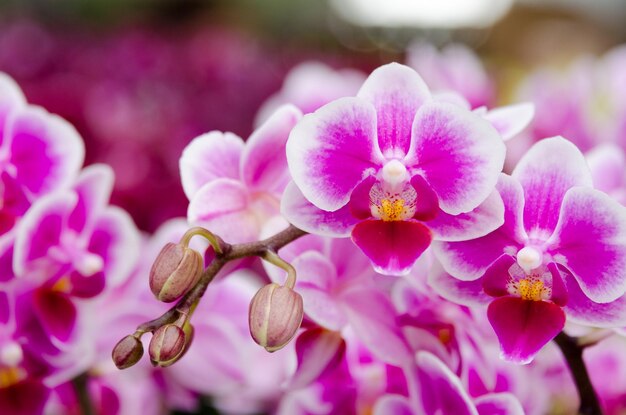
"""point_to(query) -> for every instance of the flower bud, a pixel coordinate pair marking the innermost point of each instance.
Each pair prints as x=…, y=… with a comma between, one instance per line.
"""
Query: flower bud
x=127, y=352
x=167, y=345
x=275, y=315
x=175, y=271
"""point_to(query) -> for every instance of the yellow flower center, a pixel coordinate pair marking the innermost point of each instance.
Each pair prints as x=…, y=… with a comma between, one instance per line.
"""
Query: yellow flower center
x=392, y=205
x=10, y=376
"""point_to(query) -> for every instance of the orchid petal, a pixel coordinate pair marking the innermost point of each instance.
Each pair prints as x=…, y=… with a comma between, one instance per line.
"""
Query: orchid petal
x=56, y=313
x=11, y=98
x=263, y=161
x=393, y=247
x=330, y=151
x=467, y=293
x=468, y=260
x=209, y=157
x=306, y=216
x=458, y=153
x=499, y=404
x=545, y=180
x=372, y=317
x=222, y=207
x=115, y=239
x=511, y=119
x=393, y=404
x=396, y=91
x=441, y=392
x=485, y=218
x=94, y=187
x=593, y=226
x=46, y=151
x=523, y=327
x=319, y=351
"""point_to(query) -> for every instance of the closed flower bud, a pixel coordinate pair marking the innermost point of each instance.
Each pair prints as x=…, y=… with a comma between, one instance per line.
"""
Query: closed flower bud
x=127, y=352
x=175, y=271
x=275, y=315
x=167, y=345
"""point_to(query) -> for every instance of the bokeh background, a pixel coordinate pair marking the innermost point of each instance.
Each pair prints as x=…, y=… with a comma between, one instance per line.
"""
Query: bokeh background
x=139, y=79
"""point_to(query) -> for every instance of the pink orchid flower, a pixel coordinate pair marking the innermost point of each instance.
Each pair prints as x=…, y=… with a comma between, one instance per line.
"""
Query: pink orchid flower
x=394, y=169
x=310, y=85
x=559, y=252
x=453, y=68
x=607, y=163
x=434, y=390
x=39, y=153
x=234, y=187
x=71, y=245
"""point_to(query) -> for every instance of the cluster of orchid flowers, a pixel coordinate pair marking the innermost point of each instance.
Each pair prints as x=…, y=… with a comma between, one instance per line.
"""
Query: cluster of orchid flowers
x=411, y=273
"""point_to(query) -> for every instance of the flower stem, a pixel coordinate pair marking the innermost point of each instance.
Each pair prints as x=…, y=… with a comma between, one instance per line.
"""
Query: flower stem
x=82, y=394
x=227, y=253
x=573, y=353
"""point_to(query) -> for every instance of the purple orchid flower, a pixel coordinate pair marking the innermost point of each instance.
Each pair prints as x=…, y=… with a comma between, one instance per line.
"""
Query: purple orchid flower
x=71, y=245
x=234, y=187
x=559, y=252
x=453, y=68
x=435, y=390
x=394, y=169
x=39, y=153
x=607, y=163
x=310, y=85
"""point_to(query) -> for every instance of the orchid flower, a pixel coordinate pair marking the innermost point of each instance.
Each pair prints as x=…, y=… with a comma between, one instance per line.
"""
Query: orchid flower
x=394, y=169
x=434, y=390
x=234, y=187
x=560, y=252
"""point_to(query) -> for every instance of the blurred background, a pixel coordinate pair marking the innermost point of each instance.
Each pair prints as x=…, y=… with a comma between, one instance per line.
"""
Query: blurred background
x=140, y=79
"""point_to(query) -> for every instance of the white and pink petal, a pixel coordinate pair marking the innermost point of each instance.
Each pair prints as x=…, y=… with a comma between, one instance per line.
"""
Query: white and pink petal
x=458, y=153
x=208, y=157
x=332, y=150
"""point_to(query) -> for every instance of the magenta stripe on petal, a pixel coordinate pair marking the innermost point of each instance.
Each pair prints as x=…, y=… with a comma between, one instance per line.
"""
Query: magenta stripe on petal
x=589, y=240
x=393, y=247
x=499, y=404
x=396, y=91
x=427, y=203
x=458, y=153
x=330, y=151
x=546, y=178
x=523, y=327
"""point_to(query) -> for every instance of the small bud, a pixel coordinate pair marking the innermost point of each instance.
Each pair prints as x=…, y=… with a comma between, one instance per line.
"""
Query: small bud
x=167, y=345
x=175, y=271
x=275, y=315
x=127, y=352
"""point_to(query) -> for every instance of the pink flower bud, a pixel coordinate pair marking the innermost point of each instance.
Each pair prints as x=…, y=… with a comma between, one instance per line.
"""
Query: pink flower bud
x=167, y=345
x=127, y=352
x=275, y=315
x=175, y=271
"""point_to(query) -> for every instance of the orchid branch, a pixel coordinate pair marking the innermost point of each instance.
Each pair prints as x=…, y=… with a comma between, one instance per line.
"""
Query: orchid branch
x=573, y=353
x=224, y=253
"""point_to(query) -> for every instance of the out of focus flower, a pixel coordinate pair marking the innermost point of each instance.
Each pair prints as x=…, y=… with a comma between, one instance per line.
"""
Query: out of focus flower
x=584, y=102
x=607, y=163
x=434, y=389
x=559, y=252
x=310, y=85
x=234, y=187
x=374, y=167
x=455, y=68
